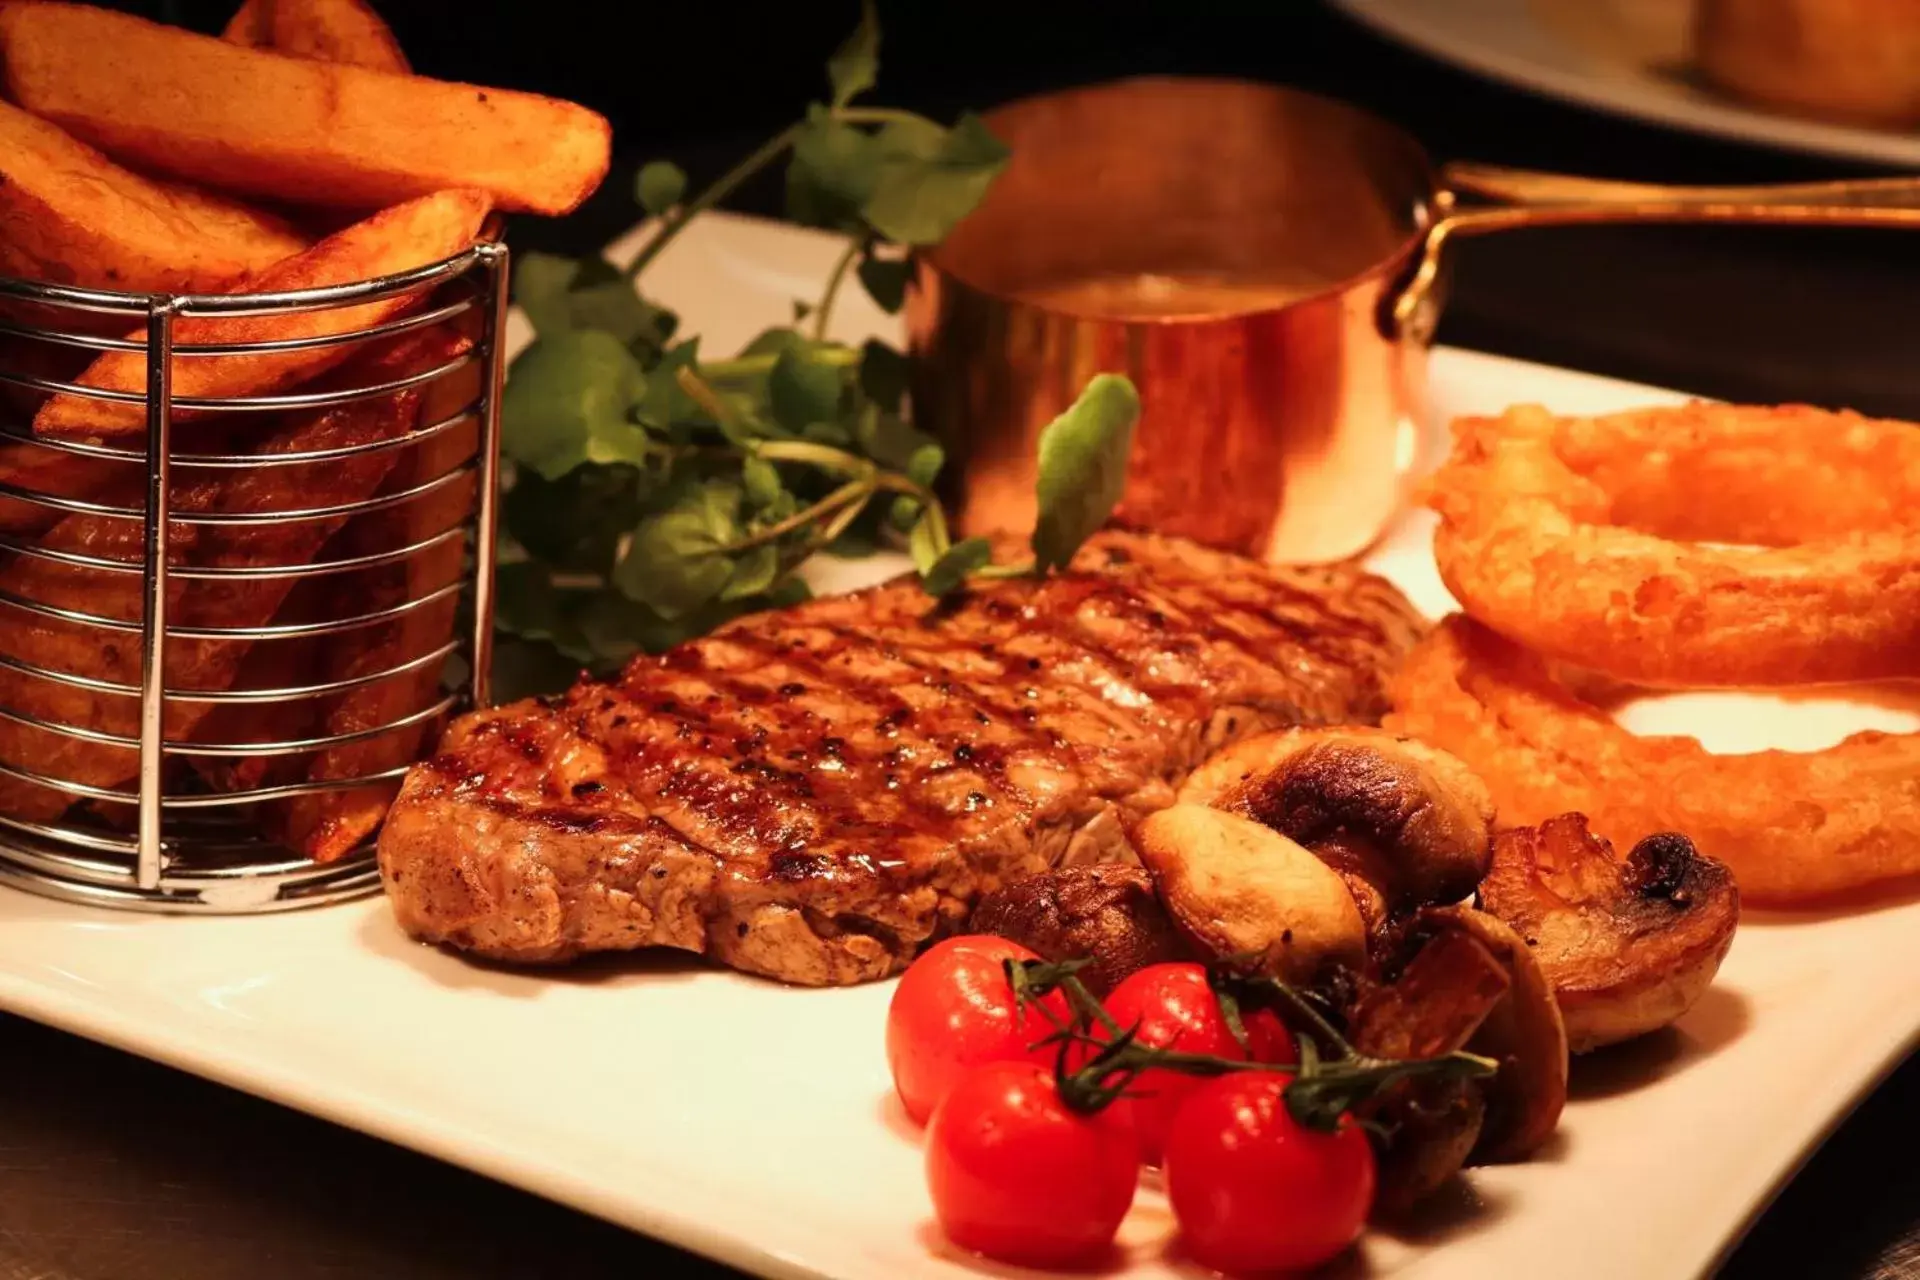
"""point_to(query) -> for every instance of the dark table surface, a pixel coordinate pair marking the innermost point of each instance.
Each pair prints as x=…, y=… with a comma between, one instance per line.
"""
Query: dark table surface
x=113, y=1168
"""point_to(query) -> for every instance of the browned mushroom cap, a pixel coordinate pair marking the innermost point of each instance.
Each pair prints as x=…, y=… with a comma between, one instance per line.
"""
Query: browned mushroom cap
x=1628, y=944
x=1239, y=891
x=1523, y=1033
x=1444, y=987
x=1455, y=978
x=1106, y=913
x=1404, y=824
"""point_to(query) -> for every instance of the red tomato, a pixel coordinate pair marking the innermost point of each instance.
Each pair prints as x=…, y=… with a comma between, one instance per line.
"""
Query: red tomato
x=1019, y=1177
x=1268, y=1039
x=954, y=1010
x=1175, y=1008
x=1253, y=1189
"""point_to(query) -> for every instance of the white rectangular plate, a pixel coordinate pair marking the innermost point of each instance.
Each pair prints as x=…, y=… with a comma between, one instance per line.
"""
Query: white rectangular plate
x=754, y=1123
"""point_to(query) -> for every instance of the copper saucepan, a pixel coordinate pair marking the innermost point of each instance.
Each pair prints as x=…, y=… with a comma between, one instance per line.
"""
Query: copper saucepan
x=1266, y=265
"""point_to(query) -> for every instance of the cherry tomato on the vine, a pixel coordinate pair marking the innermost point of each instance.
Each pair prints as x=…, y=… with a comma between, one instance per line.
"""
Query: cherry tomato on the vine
x=1018, y=1176
x=1174, y=1007
x=954, y=1010
x=1256, y=1191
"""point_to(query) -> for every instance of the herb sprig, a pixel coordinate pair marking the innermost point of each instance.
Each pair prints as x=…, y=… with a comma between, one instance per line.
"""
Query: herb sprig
x=1099, y=1061
x=655, y=492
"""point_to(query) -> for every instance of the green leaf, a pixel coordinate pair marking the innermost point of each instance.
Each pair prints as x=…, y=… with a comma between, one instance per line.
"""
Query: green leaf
x=563, y=294
x=923, y=468
x=526, y=604
x=773, y=342
x=790, y=590
x=952, y=569
x=753, y=573
x=924, y=187
x=904, y=512
x=760, y=480
x=566, y=402
x=1083, y=467
x=883, y=375
x=925, y=543
x=575, y=523
x=802, y=390
x=674, y=564
x=893, y=442
x=783, y=505
x=885, y=281
x=540, y=284
x=832, y=434
x=602, y=297
x=664, y=402
x=909, y=137
x=831, y=172
x=618, y=628
x=853, y=66
x=660, y=185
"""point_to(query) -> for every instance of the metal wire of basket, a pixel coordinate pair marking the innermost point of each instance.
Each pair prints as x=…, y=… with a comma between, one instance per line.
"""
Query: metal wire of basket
x=191, y=846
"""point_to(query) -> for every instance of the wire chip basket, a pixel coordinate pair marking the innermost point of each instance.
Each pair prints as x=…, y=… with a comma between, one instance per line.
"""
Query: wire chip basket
x=223, y=640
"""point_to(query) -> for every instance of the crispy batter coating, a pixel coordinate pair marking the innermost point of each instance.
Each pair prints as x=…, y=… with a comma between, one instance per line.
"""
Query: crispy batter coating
x=1793, y=826
x=1603, y=541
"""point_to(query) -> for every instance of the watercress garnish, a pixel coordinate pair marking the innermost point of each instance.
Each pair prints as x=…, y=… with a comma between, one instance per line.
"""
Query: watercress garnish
x=654, y=492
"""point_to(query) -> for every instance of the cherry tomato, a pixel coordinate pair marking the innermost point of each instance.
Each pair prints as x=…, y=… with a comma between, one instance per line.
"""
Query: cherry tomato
x=1268, y=1039
x=1175, y=1008
x=1256, y=1191
x=1019, y=1177
x=954, y=1010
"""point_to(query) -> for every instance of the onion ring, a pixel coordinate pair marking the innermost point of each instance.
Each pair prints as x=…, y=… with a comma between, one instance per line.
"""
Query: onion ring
x=1792, y=826
x=1593, y=540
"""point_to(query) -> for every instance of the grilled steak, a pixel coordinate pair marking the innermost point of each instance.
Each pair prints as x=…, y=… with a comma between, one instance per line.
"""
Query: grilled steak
x=815, y=793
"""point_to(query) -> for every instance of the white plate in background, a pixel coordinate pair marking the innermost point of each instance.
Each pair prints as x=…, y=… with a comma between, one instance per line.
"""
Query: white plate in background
x=754, y=1123
x=1629, y=57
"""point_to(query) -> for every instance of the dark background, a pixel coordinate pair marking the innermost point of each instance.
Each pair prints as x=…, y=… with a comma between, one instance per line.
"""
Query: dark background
x=115, y=1169
x=1767, y=314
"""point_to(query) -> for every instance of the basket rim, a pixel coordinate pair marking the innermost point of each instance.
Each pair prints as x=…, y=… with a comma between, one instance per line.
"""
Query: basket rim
x=273, y=302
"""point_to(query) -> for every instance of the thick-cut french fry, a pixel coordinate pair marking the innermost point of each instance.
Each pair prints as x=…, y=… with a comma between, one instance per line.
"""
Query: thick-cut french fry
x=83, y=649
x=408, y=235
x=246, y=120
x=328, y=825
x=71, y=216
x=364, y=650
x=323, y=30
x=39, y=471
x=41, y=468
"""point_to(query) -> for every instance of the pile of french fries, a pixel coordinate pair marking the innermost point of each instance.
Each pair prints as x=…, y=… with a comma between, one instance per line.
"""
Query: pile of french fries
x=296, y=151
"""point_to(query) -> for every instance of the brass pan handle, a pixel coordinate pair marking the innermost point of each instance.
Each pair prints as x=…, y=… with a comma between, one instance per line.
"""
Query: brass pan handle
x=1476, y=198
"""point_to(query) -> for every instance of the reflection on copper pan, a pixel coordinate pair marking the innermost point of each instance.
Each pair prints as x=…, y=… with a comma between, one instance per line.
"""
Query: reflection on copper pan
x=1266, y=265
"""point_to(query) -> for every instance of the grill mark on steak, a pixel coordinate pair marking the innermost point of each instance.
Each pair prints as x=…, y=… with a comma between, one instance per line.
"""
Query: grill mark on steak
x=817, y=792
x=1208, y=610
x=701, y=798
x=1060, y=696
x=1067, y=723
x=907, y=731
